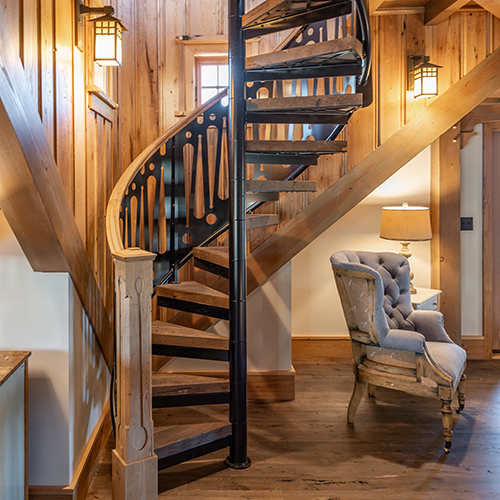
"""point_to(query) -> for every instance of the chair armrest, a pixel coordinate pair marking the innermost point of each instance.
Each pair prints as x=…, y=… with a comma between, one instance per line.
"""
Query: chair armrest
x=430, y=324
x=404, y=340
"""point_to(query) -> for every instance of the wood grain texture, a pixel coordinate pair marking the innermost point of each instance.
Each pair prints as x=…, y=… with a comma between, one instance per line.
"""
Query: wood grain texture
x=192, y=291
x=215, y=255
x=10, y=361
x=445, y=247
x=304, y=450
x=134, y=461
x=170, y=384
x=491, y=6
x=47, y=233
x=400, y=148
x=164, y=333
x=491, y=291
x=310, y=103
x=321, y=349
x=296, y=54
x=297, y=146
x=437, y=11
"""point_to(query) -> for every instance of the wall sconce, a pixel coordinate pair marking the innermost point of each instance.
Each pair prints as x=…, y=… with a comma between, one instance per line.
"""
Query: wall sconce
x=422, y=76
x=108, y=41
x=107, y=34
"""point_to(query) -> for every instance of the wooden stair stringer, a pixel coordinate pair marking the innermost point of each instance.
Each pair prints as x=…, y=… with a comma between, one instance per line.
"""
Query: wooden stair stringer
x=444, y=112
x=42, y=218
x=359, y=182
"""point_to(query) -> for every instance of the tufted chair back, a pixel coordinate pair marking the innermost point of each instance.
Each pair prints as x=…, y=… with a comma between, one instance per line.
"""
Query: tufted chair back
x=390, y=305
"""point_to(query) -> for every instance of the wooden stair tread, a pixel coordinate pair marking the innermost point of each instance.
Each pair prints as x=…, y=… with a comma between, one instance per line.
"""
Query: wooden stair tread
x=261, y=220
x=172, y=440
x=215, y=255
x=309, y=104
x=175, y=384
x=192, y=291
x=280, y=186
x=348, y=49
x=276, y=15
x=315, y=147
x=164, y=333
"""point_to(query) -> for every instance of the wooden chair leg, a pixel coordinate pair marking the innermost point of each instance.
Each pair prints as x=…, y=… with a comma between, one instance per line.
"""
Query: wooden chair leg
x=371, y=390
x=357, y=395
x=447, y=414
x=461, y=394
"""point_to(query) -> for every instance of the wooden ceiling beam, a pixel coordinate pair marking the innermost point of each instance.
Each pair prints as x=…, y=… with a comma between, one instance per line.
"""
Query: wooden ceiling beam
x=444, y=112
x=32, y=194
x=492, y=6
x=437, y=11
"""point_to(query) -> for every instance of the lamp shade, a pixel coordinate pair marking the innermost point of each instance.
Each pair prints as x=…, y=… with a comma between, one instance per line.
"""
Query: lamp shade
x=406, y=223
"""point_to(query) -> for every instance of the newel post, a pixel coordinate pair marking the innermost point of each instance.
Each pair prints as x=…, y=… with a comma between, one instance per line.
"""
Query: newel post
x=135, y=465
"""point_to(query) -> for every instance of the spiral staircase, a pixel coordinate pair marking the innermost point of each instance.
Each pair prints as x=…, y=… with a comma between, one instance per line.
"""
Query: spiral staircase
x=213, y=174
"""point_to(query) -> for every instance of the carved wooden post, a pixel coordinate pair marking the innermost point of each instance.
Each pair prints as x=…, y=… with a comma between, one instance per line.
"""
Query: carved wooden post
x=135, y=465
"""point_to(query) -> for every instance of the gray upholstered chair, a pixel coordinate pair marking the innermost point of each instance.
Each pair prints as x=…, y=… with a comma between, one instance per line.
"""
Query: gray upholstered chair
x=393, y=345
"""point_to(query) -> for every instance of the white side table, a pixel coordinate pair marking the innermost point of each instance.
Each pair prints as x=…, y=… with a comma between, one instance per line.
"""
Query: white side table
x=425, y=299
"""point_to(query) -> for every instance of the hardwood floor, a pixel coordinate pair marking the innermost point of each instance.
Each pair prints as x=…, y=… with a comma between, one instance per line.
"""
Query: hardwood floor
x=305, y=450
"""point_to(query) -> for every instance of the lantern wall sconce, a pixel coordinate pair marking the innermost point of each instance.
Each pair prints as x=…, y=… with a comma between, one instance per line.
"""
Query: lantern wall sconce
x=108, y=32
x=422, y=76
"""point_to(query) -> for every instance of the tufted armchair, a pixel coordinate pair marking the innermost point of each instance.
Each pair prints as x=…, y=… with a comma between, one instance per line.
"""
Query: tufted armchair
x=393, y=345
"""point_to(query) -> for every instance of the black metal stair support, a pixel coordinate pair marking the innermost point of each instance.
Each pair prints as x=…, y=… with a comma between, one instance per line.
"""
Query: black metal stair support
x=238, y=458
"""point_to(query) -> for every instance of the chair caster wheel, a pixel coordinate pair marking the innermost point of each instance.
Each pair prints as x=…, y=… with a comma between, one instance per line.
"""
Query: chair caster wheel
x=447, y=448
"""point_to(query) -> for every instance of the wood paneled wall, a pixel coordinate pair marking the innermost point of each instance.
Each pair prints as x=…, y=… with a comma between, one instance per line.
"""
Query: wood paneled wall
x=457, y=44
x=76, y=102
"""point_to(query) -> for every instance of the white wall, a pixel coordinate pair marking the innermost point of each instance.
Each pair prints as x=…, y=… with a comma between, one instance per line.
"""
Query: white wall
x=471, y=242
x=316, y=309
x=268, y=325
x=40, y=312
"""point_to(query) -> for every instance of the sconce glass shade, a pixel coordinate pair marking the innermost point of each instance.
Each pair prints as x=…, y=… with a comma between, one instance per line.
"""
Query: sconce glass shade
x=425, y=80
x=406, y=223
x=108, y=41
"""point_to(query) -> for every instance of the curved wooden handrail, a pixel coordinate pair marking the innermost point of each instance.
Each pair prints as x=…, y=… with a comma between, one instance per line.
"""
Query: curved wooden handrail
x=114, y=236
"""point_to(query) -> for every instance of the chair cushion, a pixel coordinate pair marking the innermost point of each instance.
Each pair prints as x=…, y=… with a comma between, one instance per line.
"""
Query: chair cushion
x=450, y=358
x=404, y=340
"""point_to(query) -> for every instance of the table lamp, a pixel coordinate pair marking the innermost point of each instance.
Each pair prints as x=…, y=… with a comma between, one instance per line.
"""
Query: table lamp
x=406, y=224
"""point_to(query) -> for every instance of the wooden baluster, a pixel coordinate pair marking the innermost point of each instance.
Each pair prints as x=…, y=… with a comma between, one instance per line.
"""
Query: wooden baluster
x=126, y=245
x=151, y=209
x=133, y=220
x=223, y=191
x=188, y=156
x=199, y=189
x=134, y=463
x=212, y=138
x=142, y=242
x=162, y=220
x=250, y=167
x=297, y=127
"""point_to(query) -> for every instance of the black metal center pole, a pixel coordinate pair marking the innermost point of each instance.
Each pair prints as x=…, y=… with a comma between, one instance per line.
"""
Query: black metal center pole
x=237, y=458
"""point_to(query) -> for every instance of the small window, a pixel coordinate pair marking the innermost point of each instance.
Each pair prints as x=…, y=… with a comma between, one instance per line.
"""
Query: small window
x=212, y=78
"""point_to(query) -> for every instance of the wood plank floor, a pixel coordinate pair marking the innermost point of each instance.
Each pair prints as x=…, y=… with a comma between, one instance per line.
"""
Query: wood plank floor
x=304, y=449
